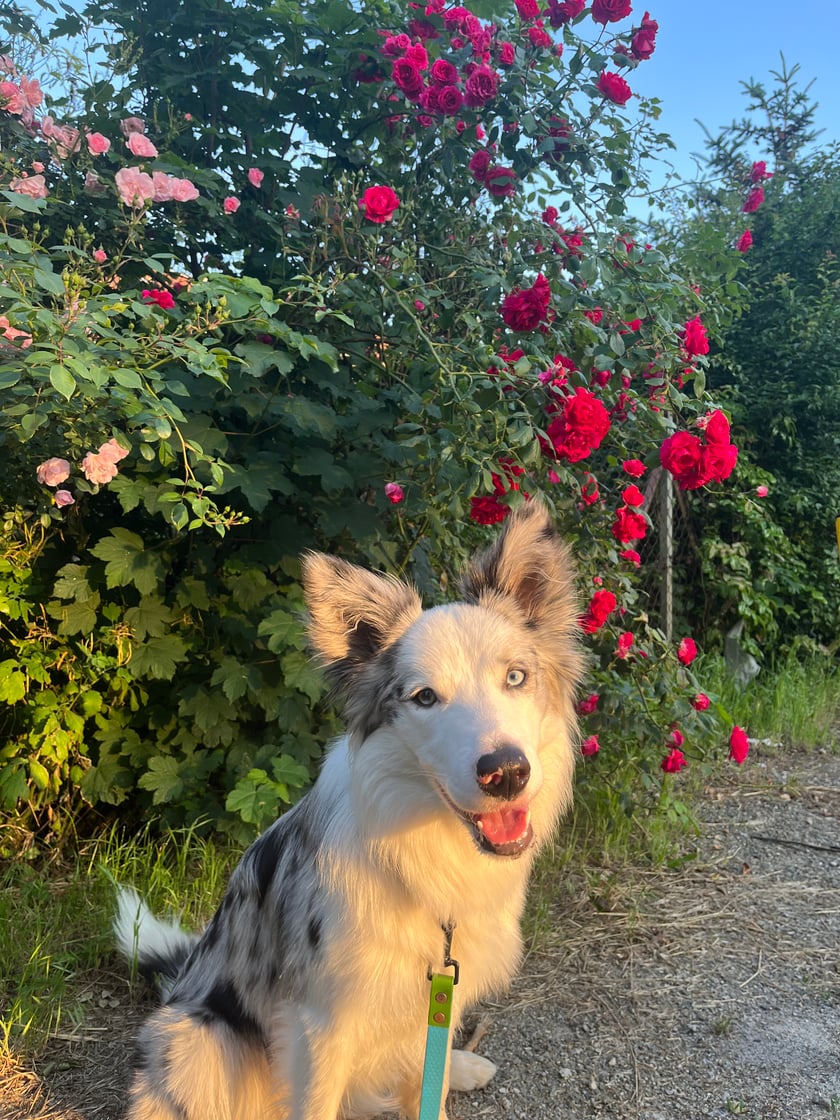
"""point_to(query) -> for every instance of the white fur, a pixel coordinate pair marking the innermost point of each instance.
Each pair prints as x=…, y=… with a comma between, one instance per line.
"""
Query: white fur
x=306, y=997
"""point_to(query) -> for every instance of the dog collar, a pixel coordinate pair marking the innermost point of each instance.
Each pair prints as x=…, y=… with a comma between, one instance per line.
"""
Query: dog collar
x=438, y=1026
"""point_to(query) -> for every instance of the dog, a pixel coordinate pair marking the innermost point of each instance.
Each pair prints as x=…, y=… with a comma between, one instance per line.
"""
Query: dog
x=306, y=996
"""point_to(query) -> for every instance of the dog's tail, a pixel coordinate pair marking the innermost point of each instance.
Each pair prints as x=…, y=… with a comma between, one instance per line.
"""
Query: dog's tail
x=156, y=947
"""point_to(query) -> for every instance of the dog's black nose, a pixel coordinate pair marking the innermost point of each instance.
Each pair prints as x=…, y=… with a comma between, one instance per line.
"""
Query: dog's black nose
x=503, y=773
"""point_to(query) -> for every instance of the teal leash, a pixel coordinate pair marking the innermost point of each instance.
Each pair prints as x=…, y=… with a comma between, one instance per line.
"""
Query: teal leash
x=437, y=1031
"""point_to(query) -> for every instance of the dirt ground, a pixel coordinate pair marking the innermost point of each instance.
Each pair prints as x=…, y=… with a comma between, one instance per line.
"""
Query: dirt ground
x=711, y=990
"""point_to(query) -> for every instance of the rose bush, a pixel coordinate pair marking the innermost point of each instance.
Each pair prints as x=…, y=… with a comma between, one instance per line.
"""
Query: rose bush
x=437, y=313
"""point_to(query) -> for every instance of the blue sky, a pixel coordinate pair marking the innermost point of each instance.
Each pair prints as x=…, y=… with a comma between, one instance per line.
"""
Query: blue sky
x=705, y=50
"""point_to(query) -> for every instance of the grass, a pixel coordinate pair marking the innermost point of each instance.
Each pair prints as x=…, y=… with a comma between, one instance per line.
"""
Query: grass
x=796, y=703
x=55, y=941
x=55, y=919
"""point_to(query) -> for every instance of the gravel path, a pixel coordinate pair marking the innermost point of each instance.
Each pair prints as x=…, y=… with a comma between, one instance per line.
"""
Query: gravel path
x=708, y=991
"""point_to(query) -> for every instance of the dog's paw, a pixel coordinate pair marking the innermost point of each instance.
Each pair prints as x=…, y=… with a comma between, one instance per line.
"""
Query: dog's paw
x=469, y=1071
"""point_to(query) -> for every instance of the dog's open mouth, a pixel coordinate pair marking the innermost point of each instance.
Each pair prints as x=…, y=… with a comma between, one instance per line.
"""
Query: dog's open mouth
x=505, y=831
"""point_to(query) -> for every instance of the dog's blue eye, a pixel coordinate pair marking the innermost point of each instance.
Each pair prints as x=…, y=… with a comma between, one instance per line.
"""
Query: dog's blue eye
x=425, y=698
x=515, y=678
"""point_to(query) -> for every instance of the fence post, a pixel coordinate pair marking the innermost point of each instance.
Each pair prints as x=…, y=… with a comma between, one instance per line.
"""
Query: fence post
x=666, y=551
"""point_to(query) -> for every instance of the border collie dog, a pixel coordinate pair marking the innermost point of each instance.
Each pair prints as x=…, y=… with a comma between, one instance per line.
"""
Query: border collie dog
x=306, y=996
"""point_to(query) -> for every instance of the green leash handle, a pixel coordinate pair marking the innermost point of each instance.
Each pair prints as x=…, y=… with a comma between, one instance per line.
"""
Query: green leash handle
x=437, y=1045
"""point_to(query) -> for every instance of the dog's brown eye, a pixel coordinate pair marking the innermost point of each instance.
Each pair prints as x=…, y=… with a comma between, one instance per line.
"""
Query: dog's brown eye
x=516, y=678
x=425, y=698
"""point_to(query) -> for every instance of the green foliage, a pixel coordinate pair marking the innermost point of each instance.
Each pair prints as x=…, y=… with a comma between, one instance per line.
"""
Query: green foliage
x=262, y=372
x=773, y=561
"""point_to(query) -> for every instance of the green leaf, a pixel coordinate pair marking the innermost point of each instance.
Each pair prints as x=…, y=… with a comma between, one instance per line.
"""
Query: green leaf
x=150, y=618
x=282, y=629
x=300, y=673
x=127, y=562
x=12, y=682
x=163, y=779
x=49, y=281
x=62, y=381
x=71, y=582
x=158, y=657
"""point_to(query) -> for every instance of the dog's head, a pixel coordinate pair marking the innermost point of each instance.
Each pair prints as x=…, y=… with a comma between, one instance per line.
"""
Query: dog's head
x=469, y=705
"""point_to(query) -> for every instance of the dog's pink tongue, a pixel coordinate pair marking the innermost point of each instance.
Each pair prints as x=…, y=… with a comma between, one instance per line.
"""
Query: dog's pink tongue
x=505, y=826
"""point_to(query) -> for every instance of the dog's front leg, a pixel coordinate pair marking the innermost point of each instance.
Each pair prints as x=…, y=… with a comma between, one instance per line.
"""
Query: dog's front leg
x=313, y=1068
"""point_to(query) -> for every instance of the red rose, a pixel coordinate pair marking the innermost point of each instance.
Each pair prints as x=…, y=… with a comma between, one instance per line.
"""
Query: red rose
x=614, y=87
x=444, y=73
x=610, y=11
x=754, y=200
x=580, y=427
x=717, y=462
x=716, y=427
x=500, y=181
x=165, y=300
x=700, y=702
x=631, y=556
x=525, y=309
x=589, y=490
x=379, y=204
x=528, y=9
x=759, y=171
x=590, y=746
x=449, y=100
x=744, y=242
x=480, y=164
x=628, y=526
x=488, y=510
x=632, y=496
x=482, y=86
x=739, y=746
x=634, y=467
x=507, y=54
x=687, y=651
x=681, y=455
x=587, y=707
x=694, y=338
x=408, y=78
x=601, y=606
x=643, y=43
x=625, y=642
x=674, y=761
x=559, y=14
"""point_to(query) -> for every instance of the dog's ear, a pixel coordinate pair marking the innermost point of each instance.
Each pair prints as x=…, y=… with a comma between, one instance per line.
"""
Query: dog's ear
x=353, y=613
x=529, y=564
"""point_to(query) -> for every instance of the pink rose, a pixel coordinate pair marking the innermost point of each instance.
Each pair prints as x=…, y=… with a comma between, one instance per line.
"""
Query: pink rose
x=379, y=204
x=113, y=451
x=34, y=186
x=182, y=190
x=394, y=493
x=63, y=498
x=761, y=491
x=135, y=188
x=162, y=184
x=22, y=338
x=132, y=124
x=100, y=256
x=231, y=204
x=53, y=471
x=407, y=77
x=140, y=145
x=255, y=176
x=97, y=143
x=98, y=468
